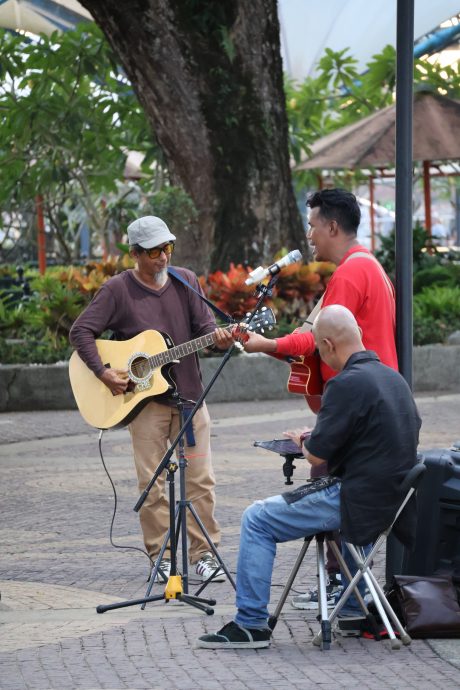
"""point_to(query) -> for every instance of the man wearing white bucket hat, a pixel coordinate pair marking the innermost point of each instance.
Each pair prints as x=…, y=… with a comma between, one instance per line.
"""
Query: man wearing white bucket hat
x=139, y=299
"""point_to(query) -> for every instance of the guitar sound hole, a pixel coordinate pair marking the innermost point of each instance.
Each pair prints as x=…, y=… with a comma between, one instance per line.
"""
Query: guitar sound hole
x=140, y=368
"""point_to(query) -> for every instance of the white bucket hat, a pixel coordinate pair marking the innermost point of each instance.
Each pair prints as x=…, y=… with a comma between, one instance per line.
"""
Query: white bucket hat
x=148, y=232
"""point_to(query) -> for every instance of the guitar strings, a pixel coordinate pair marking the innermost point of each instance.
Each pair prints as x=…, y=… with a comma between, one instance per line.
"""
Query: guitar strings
x=138, y=366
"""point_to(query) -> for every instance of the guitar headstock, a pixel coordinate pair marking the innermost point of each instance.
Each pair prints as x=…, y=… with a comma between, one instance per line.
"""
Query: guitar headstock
x=263, y=320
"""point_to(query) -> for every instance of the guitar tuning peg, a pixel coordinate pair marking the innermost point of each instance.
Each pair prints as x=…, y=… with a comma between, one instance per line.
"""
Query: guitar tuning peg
x=264, y=309
x=262, y=330
x=248, y=313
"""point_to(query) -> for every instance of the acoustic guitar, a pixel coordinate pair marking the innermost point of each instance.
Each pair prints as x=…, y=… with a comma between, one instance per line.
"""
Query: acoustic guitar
x=305, y=376
x=147, y=357
x=305, y=379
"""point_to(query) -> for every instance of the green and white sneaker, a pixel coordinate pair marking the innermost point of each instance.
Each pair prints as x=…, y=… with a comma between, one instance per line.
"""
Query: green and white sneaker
x=207, y=566
x=164, y=570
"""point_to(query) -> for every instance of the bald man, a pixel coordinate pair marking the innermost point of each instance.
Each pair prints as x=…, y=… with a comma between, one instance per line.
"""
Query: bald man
x=367, y=433
x=358, y=283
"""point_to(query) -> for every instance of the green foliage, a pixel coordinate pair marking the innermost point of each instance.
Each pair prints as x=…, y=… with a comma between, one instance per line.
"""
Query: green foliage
x=12, y=316
x=53, y=307
x=173, y=205
x=439, y=302
x=339, y=95
x=37, y=328
x=432, y=77
x=427, y=331
x=48, y=350
x=424, y=253
x=447, y=275
x=227, y=43
x=67, y=119
x=436, y=280
x=436, y=314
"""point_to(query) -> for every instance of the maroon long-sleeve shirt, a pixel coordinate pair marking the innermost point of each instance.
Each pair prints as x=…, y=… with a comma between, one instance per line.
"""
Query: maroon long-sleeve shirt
x=127, y=307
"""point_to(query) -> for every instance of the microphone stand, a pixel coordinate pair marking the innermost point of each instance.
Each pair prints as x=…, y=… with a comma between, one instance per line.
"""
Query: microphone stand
x=262, y=291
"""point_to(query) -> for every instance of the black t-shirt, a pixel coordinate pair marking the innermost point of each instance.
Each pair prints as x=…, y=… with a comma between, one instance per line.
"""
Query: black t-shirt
x=367, y=431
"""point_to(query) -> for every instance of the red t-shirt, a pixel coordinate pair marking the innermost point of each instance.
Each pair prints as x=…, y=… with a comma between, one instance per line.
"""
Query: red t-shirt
x=359, y=285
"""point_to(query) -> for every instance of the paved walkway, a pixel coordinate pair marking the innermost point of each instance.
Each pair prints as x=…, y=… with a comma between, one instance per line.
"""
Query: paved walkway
x=57, y=565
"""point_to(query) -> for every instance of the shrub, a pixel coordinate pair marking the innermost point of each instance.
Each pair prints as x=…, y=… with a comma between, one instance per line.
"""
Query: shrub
x=229, y=292
x=436, y=314
x=47, y=350
x=294, y=294
x=424, y=253
x=438, y=302
x=435, y=275
x=36, y=328
x=428, y=330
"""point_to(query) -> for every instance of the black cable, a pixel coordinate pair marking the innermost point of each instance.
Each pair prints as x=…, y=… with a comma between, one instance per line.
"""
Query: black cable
x=117, y=546
x=136, y=548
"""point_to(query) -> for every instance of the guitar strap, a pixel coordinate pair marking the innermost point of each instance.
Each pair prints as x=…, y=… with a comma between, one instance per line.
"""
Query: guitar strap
x=365, y=255
x=221, y=314
x=225, y=317
x=308, y=325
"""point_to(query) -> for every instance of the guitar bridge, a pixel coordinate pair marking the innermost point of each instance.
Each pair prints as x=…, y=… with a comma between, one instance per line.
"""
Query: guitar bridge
x=143, y=386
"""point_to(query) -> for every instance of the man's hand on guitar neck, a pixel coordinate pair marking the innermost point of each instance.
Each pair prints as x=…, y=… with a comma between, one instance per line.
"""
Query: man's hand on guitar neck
x=253, y=342
x=222, y=339
x=116, y=380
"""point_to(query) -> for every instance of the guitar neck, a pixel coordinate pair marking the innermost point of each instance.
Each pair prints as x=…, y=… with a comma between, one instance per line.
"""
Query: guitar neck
x=179, y=351
x=265, y=318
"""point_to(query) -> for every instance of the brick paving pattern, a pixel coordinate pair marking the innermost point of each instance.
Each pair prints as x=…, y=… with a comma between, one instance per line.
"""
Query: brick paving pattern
x=57, y=565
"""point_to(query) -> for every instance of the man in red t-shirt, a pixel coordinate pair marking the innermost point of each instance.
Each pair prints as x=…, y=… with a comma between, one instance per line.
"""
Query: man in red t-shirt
x=358, y=283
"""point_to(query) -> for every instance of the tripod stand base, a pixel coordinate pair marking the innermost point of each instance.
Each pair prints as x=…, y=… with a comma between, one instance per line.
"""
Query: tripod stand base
x=197, y=602
x=173, y=592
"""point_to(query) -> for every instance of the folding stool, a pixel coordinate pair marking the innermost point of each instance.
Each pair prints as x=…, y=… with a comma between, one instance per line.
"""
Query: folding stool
x=323, y=637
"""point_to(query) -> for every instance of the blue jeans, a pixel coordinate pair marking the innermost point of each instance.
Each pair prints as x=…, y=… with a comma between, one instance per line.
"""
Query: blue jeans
x=267, y=523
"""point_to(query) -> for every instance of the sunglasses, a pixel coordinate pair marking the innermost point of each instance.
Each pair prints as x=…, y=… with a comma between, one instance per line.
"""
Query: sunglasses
x=155, y=252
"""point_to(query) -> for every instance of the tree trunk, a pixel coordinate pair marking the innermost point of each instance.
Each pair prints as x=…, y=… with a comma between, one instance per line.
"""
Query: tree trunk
x=209, y=76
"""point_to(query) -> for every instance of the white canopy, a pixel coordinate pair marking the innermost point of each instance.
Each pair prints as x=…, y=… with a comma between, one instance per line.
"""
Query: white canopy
x=41, y=16
x=309, y=27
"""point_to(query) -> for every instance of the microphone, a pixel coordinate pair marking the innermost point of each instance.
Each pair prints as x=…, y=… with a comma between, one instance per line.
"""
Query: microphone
x=260, y=273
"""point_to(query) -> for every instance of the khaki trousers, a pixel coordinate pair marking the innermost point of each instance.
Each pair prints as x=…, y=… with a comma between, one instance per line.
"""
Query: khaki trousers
x=150, y=432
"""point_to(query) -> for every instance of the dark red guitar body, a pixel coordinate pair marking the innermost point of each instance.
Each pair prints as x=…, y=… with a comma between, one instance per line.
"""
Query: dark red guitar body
x=305, y=378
